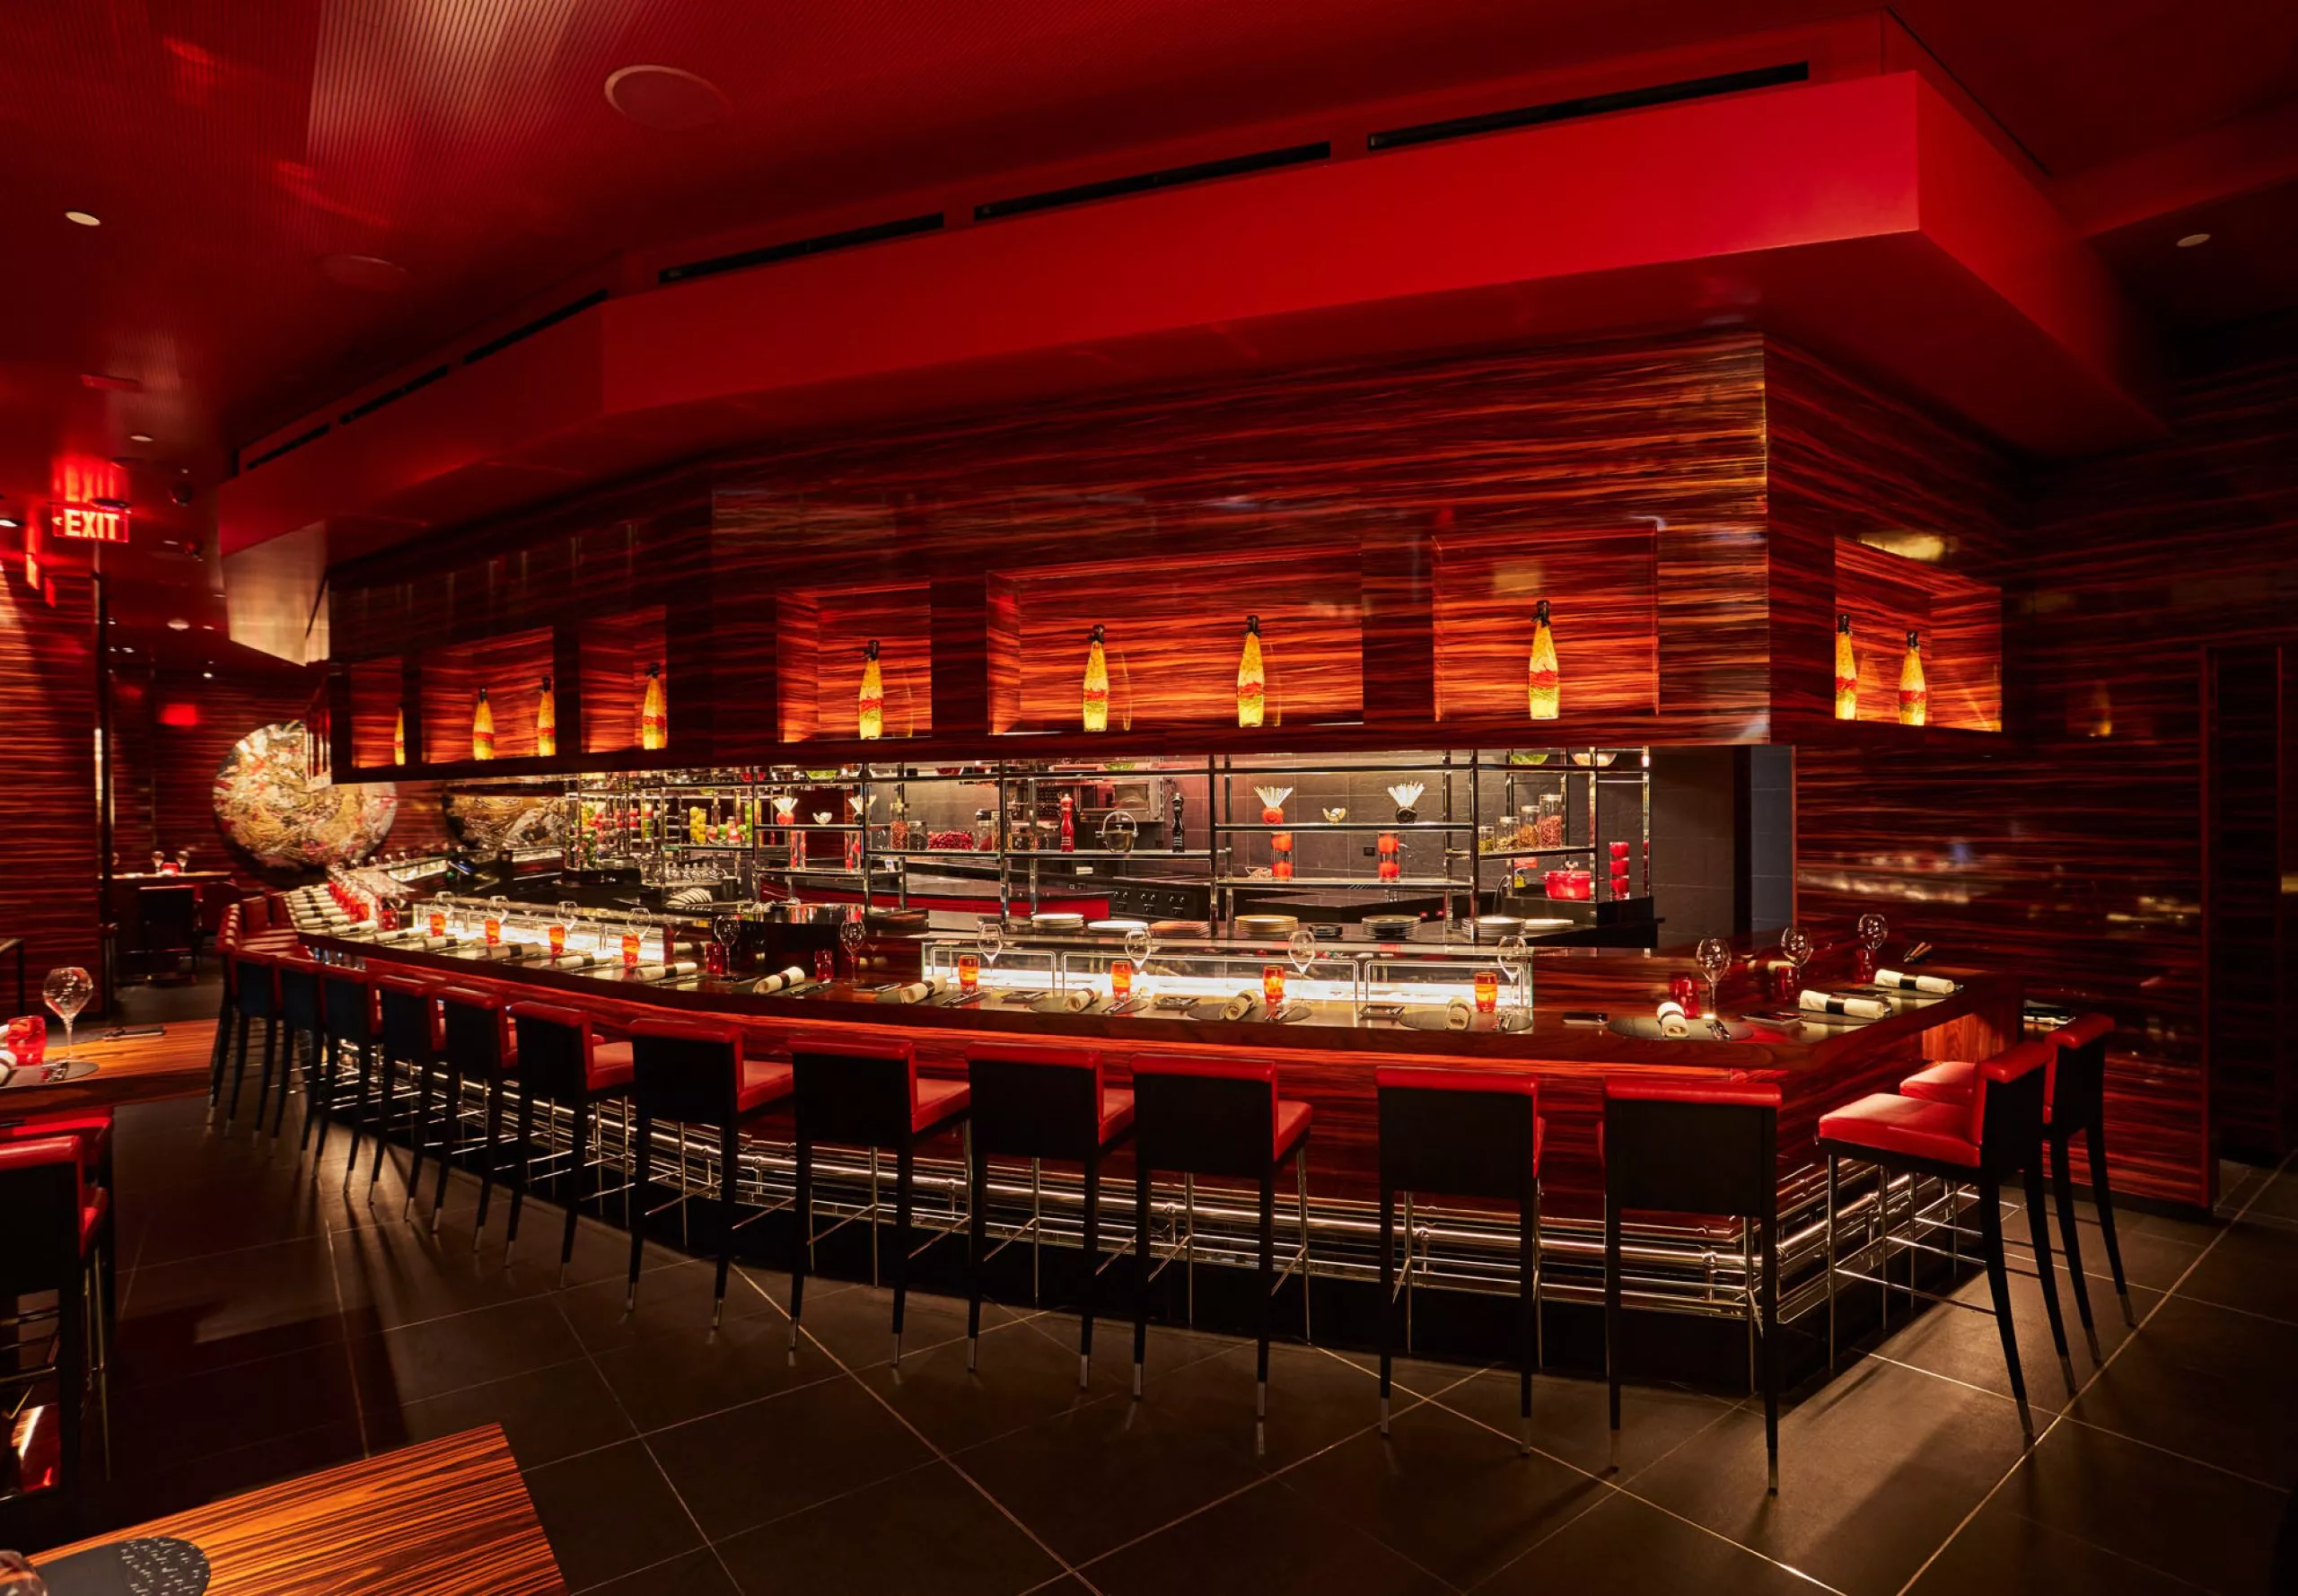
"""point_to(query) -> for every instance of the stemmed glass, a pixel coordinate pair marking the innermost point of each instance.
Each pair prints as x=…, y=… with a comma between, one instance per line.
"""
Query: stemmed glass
x=67, y=991
x=1873, y=929
x=1795, y=947
x=1138, y=947
x=990, y=938
x=850, y=937
x=1515, y=961
x=1714, y=957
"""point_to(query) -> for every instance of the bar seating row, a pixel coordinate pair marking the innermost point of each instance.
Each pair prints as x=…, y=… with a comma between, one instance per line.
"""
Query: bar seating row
x=56, y=1189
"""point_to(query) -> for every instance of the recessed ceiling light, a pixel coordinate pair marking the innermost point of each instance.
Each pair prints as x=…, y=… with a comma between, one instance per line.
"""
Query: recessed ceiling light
x=139, y=437
x=371, y=274
x=85, y=218
x=2192, y=239
x=206, y=627
x=179, y=625
x=207, y=675
x=667, y=98
x=9, y=523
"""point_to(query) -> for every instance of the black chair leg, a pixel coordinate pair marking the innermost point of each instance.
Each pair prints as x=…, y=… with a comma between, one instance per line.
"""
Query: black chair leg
x=286, y=1076
x=1612, y=1308
x=1267, y=1285
x=1768, y=1312
x=451, y=1121
x=642, y=1154
x=2063, y=1188
x=1140, y=1270
x=520, y=1154
x=239, y=1072
x=581, y=1157
x=359, y=1109
x=222, y=1053
x=490, y=1145
x=905, y=1195
x=1528, y=1243
x=418, y=1133
x=2039, y=1226
x=1384, y=1329
x=1092, y=1271
x=804, y=1237
x=270, y=1060
x=1998, y=1286
x=977, y=1248
x=384, y=1121
x=2095, y=1144
x=729, y=1154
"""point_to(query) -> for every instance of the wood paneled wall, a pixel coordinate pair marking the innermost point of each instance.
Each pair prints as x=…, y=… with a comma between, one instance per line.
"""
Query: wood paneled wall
x=2072, y=849
x=48, y=782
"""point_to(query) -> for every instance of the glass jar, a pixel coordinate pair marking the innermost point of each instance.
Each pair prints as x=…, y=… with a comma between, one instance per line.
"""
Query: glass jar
x=1548, y=826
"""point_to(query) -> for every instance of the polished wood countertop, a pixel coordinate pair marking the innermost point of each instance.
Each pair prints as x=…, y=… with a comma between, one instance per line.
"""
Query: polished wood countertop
x=445, y=1518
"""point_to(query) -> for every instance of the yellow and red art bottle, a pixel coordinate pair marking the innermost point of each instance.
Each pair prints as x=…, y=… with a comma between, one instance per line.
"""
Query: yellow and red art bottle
x=654, y=715
x=1280, y=851
x=1544, y=690
x=1391, y=866
x=482, y=728
x=630, y=950
x=399, y=736
x=1095, y=696
x=870, y=703
x=1847, y=672
x=1915, y=695
x=1253, y=682
x=546, y=720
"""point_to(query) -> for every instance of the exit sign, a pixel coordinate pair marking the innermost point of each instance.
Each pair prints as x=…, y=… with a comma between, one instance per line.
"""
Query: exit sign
x=90, y=522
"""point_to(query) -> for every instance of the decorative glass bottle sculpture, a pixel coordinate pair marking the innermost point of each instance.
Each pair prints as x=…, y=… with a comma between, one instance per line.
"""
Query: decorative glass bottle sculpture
x=654, y=715
x=1280, y=855
x=399, y=736
x=1847, y=672
x=1545, y=695
x=1391, y=862
x=546, y=721
x=872, y=700
x=1252, y=683
x=482, y=728
x=1095, y=704
x=1914, y=695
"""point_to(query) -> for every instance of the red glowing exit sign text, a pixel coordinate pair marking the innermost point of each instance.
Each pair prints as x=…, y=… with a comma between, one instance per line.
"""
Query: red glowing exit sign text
x=89, y=521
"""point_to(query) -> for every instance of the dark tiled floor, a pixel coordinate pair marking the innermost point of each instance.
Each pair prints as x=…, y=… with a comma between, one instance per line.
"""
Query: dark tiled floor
x=272, y=1324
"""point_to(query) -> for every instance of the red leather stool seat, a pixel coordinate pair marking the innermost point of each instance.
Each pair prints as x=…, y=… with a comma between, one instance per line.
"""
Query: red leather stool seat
x=92, y=1130
x=764, y=1081
x=1887, y=1122
x=1946, y=1082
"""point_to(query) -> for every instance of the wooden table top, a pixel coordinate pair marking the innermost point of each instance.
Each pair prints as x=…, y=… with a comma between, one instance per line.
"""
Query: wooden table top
x=445, y=1518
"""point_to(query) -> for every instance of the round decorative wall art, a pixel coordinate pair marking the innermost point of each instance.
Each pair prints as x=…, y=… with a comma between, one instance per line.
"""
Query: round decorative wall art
x=268, y=806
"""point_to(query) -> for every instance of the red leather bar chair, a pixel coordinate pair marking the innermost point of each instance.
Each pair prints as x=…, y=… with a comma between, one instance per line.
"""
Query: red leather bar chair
x=302, y=1010
x=478, y=1046
x=413, y=1034
x=1222, y=1118
x=91, y=1128
x=1474, y=1133
x=564, y=1065
x=694, y=1072
x=1038, y=1103
x=1998, y=1134
x=1698, y=1148
x=867, y=1096
x=2075, y=1096
x=255, y=996
x=353, y=1022
x=227, y=942
x=57, y=1232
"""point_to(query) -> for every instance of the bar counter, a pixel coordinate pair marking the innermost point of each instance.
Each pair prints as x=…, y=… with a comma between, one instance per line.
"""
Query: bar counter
x=1329, y=1061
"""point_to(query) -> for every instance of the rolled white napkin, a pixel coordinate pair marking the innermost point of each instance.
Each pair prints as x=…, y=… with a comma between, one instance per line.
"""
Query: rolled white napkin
x=663, y=972
x=575, y=961
x=494, y=950
x=1458, y=1015
x=779, y=981
x=1239, y=1006
x=916, y=992
x=1076, y=1002
x=429, y=944
x=1854, y=1008
x=1673, y=1020
x=1904, y=983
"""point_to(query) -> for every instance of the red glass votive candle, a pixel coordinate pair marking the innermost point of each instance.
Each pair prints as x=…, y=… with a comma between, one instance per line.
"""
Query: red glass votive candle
x=969, y=972
x=630, y=950
x=438, y=924
x=557, y=941
x=1121, y=979
x=1487, y=991
x=492, y=928
x=825, y=964
x=1685, y=991
x=1272, y=984
x=713, y=957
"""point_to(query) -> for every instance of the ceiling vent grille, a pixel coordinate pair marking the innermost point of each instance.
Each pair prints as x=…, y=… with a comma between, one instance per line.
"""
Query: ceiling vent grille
x=820, y=245
x=289, y=447
x=1593, y=105
x=597, y=296
x=1172, y=177
x=394, y=396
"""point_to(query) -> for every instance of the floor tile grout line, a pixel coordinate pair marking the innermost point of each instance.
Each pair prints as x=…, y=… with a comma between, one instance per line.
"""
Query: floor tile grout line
x=927, y=1441
x=2271, y=1318
x=2168, y=1452
x=2028, y=1452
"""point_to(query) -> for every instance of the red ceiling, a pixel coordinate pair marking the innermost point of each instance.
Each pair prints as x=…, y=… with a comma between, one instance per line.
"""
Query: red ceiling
x=233, y=148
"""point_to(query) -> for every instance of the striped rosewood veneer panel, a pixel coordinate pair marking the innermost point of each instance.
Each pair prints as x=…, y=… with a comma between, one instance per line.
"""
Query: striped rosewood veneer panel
x=48, y=782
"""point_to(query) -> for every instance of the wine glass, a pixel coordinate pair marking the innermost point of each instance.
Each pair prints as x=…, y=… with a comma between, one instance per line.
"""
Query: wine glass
x=1873, y=929
x=990, y=938
x=159, y=858
x=1714, y=957
x=850, y=937
x=67, y=991
x=1795, y=947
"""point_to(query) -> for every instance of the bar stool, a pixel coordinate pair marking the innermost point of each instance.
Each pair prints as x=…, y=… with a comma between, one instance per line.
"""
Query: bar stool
x=92, y=1129
x=1038, y=1103
x=1688, y=1147
x=479, y=1047
x=872, y=1097
x=350, y=1013
x=1999, y=1133
x=692, y=1072
x=302, y=1010
x=57, y=1235
x=562, y=1064
x=1466, y=1133
x=2074, y=1103
x=255, y=992
x=1220, y=1116
x=227, y=942
x=415, y=1033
